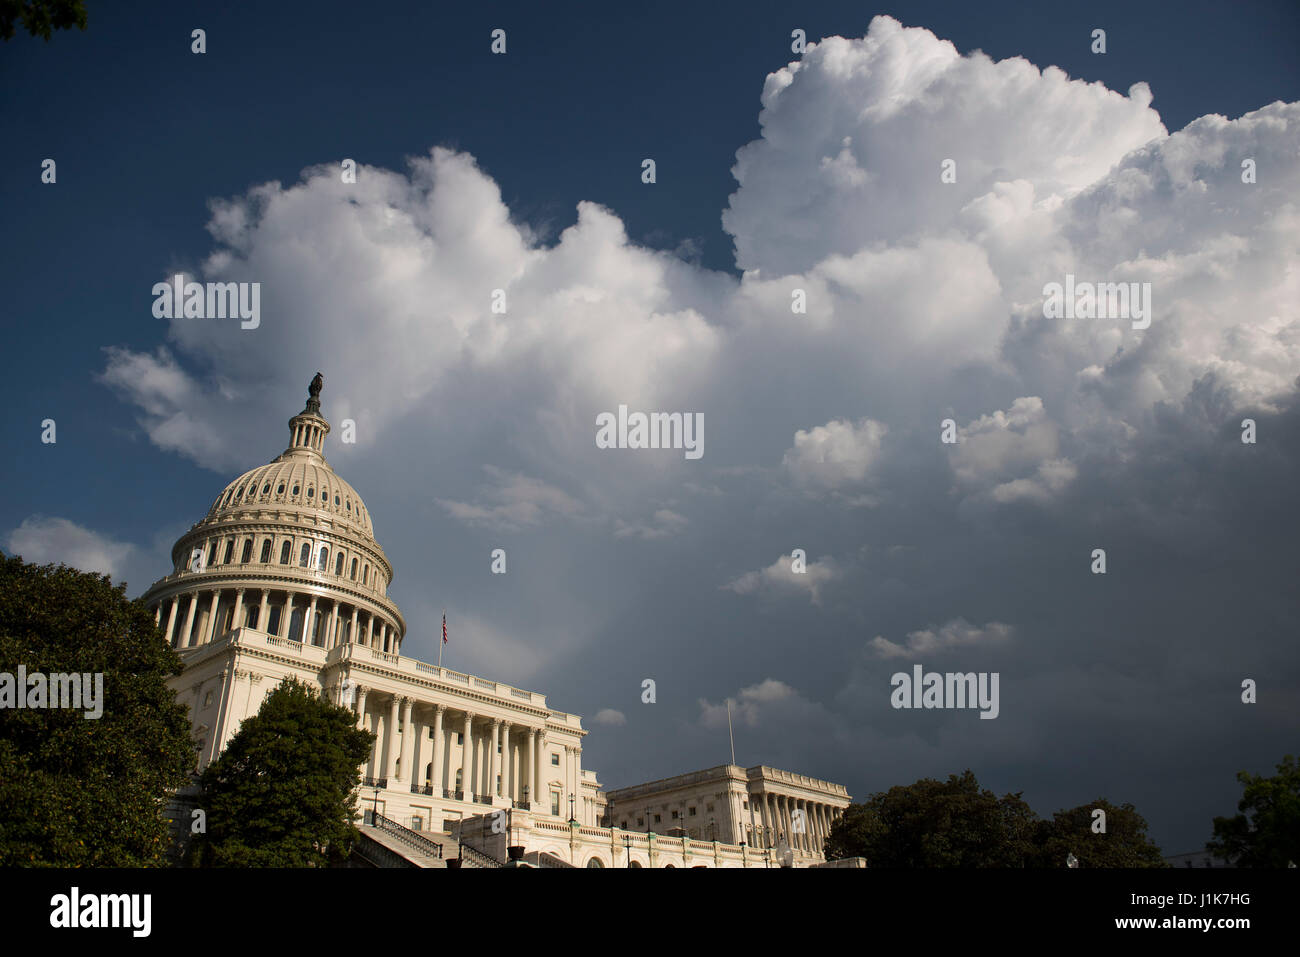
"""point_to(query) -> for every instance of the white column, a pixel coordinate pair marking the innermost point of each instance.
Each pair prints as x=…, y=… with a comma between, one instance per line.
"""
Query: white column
x=286, y=616
x=577, y=785
x=361, y=706
x=437, y=749
x=210, y=629
x=390, y=733
x=309, y=626
x=408, y=743
x=506, y=763
x=171, y=616
x=239, y=607
x=189, y=621
x=370, y=627
x=157, y=614
x=466, y=762
x=494, y=762
x=331, y=639
x=352, y=630
x=530, y=775
x=262, y=620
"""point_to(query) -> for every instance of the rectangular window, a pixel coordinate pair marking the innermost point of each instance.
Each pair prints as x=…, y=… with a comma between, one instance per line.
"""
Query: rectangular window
x=460, y=737
x=692, y=812
x=744, y=805
x=657, y=819
x=640, y=822
x=555, y=759
x=417, y=823
x=674, y=815
x=555, y=803
x=273, y=622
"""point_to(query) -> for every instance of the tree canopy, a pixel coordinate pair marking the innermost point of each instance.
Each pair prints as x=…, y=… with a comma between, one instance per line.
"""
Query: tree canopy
x=955, y=823
x=1267, y=831
x=282, y=793
x=78, y=791
x=41, y=17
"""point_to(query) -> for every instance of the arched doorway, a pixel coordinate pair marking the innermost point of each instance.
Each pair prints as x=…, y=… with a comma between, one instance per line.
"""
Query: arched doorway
x=595, y=862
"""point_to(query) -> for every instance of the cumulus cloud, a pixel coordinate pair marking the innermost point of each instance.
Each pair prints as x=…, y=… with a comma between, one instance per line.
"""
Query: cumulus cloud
x=748, y=705
x=1012, y=455
x=780, y=577
x=956, y=633
x=835, y=455
x=48, y=540
x=514, y=501
x=610, y=717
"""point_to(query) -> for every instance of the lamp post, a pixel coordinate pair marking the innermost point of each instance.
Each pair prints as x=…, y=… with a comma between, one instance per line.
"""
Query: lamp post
x=627, y=846
x=374, y=814
x=572, y=819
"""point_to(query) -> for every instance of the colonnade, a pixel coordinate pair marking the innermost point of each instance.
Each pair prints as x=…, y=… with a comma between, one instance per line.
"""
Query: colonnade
x=320, y=620
x=803, y=823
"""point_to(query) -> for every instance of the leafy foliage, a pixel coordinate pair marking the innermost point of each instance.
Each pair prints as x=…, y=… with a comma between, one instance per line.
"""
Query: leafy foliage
x=1267, y=831
x=282, y=794
x=76, y=792
x=1124, y=843
x=954, y=823
x=41, y=17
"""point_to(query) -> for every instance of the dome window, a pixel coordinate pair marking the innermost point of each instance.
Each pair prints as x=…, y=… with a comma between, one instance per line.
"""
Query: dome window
x=266, y=489
x=365, y=575
x=240, y=493
x=354, y=569
x=311, y=491
x=280, y=490
x=230, y=550
x=338, y=564
x=266, y=552
x=284, y=553
x=295, y=489
x=304, y=557
x=212, y=554
x=349, y=505
x=247, y=555
x=324, y=563
x=336, y=500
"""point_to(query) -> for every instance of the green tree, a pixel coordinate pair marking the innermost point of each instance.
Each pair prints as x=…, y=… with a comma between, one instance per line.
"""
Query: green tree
x=78, y=792
x=937, y=824
x=282, y=793
x=1124, y=843
x=1267, y=831
x=41, y=17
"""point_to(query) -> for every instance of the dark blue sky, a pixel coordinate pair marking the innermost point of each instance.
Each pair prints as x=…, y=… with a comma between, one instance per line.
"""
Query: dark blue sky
x=145, y=134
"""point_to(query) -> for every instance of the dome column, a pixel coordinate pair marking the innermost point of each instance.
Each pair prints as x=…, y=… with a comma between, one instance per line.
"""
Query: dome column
x=352, y=628
x=333, y=639
x=262, y=620
x=309, y=626
x=210, y=629
x=239, y=606
x=390, y=734
x=171, y=619
x=189, y=620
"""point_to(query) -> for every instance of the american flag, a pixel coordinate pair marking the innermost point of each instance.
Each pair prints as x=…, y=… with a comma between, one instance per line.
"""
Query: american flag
x=444, y=627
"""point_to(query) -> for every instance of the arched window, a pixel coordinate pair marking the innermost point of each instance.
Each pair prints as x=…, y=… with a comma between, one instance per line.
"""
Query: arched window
x=295, y=489
x=280, y=489
x=266, y=551
x=354, y=569
x=284, y=553
x=266, y=489
x=311, y=491
x=295, y=625
x=595, y=862
x=636, y=864
x=323, y=563
x=365, y=574
x=349, y=505
x=247, y=555
x=212, y=554
x=336, y=499
x=304, y=557
x=230, y=550
x=338, y=564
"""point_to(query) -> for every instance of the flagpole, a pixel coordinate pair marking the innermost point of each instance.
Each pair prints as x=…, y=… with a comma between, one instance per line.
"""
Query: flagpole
x=729, y=734
x=443, y=640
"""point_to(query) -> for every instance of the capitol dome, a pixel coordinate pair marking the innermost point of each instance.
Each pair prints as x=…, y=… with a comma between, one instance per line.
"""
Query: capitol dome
x=287, y=549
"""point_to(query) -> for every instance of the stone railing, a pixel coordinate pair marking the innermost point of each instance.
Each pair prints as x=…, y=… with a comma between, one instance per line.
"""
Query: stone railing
x=408, y=837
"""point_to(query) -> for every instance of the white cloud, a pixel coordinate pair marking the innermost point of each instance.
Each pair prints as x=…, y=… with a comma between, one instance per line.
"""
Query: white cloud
x=41, y=540
x=834, y=455
x=610, y=717
x=514, y=502
x=956, y=633
x=1012, y=455
x=747, y=706
x=781, y=576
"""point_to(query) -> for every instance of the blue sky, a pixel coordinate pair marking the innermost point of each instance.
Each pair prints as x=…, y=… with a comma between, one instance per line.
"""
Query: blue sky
x=632, y=571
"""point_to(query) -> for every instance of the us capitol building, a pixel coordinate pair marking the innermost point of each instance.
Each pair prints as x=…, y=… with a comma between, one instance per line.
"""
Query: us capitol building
x=283, y=577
